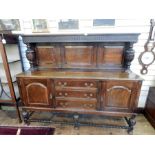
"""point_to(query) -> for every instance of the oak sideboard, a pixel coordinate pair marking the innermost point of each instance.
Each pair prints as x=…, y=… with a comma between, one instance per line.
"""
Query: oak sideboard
x=80, y=74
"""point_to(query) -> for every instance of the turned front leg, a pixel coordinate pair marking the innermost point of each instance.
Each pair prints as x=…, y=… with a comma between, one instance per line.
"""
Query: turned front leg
x=76, y=121
x=131, y=122
x=25, y=115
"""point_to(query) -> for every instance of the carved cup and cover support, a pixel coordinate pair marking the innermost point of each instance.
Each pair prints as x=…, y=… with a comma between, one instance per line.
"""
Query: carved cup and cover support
x=128, y=55
x=31, y=56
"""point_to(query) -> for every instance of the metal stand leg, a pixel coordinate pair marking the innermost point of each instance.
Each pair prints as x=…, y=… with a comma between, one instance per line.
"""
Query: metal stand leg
x=2, y=90
x=18, y=114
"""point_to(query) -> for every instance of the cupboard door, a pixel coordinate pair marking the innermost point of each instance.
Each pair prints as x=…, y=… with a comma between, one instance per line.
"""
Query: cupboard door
x=37, y=92
x=118, y=95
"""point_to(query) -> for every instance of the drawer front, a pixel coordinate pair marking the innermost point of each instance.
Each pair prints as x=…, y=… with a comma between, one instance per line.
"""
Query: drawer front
x=76, y=83
x=77, y=104
x=76, y=94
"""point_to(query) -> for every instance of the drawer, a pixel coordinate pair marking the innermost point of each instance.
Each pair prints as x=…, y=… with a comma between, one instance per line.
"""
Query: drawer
x=76, y=94
x=77, y=104
x=76, y=83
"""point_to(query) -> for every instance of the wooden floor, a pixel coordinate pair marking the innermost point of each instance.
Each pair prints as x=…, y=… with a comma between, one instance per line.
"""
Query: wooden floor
x=142, y=127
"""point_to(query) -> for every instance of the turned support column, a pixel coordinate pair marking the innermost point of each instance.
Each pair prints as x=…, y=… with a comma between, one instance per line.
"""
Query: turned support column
x=128, y=56
x=76, y=121
x=31, y=55
x=131, y=122
x=25, y=115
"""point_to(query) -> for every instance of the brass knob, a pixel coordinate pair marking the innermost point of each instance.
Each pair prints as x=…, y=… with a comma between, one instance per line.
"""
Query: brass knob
x=91, y=84
x=85, y=95
x=86, y=84
x=60, y=94
x=66, y=94
x=65, y=83
x=91, y=95
x=59, y=83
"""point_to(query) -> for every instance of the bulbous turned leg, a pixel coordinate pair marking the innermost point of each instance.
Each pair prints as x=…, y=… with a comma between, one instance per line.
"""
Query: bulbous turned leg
x=25, y=115
x=132, y=123
x=76, y=121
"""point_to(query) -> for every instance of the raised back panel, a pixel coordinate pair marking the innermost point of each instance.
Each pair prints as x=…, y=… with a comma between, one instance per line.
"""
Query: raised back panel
x=79, y=56
x=109, y=55
x=48, y=56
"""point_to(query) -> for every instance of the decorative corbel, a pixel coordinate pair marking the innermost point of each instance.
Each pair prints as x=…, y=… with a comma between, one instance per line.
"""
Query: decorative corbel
x=31, y=56
x=128, y=56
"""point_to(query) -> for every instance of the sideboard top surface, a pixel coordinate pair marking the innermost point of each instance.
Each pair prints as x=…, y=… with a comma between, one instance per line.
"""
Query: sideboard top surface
x=67, y=74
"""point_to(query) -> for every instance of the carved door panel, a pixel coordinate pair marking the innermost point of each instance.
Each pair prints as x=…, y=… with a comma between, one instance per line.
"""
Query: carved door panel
x=117, y=95
x=37, y=92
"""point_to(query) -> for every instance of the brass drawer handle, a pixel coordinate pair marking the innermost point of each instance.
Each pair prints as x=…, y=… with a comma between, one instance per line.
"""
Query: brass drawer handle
x=60, y=94
x=66, y=94
x=65, y=83
x=86, y=84
x=63, y=104
x=90, y=94
x=91, y=84
x=85, y=95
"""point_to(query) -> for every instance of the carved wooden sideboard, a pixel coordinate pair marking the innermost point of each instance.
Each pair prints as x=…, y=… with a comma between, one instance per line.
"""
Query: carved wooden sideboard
x=80, y=74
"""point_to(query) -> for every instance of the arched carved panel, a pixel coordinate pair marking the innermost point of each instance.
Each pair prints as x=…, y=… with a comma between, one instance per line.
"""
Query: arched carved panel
x=37, y=93
x=118, y=96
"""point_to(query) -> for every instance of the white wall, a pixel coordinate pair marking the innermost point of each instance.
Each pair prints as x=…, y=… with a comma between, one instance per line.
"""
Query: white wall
x=141, y=26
